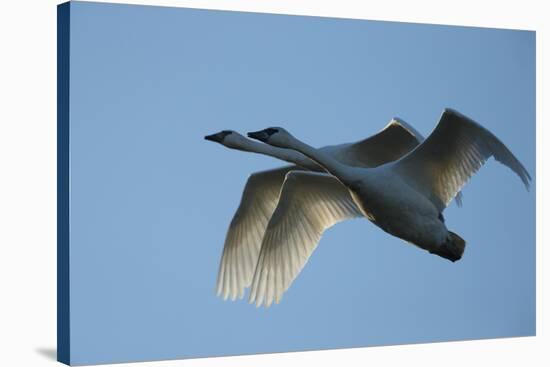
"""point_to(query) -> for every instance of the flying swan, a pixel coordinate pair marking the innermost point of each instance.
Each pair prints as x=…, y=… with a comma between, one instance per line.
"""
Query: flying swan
x=261, y=192
x=405, y=198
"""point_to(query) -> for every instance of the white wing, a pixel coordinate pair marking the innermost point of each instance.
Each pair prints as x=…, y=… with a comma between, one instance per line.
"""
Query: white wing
x=309, y=204
x=454, y=151
x=244, y=237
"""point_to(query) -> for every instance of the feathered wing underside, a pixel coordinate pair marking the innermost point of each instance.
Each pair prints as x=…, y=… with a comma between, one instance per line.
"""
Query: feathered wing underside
x=454, y=151
x=245, y=233
x=309, y=204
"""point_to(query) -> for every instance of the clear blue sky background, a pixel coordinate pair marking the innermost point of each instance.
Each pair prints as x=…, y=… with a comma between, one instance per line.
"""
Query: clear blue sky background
x=151, y=200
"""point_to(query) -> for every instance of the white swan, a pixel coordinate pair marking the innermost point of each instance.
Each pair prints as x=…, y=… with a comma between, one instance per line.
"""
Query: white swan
x=261, y=192
x=405, y=198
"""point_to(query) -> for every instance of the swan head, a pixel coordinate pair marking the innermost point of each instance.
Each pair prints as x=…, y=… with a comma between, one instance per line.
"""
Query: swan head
x=219, y=137
x=276, y=136
x=228, y=138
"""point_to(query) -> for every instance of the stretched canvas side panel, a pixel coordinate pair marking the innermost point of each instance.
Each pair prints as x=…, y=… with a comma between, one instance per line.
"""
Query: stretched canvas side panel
x=63, y=300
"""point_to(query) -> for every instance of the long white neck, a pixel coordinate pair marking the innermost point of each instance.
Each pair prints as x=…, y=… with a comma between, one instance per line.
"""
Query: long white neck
x=341, y=171
x=287, y=155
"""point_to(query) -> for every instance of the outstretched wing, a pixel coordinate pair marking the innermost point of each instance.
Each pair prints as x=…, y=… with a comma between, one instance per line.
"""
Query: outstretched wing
x=454, y=151
x=309, y=204
x=244, y=237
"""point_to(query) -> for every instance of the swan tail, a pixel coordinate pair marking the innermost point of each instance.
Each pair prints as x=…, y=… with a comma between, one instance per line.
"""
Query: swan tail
x=452, y=249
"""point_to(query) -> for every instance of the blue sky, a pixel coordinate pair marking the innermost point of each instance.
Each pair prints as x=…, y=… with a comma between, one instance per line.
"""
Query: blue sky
x=151, y=200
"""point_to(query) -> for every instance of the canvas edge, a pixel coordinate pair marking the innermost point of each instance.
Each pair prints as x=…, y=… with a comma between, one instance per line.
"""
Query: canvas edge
x=63, y=180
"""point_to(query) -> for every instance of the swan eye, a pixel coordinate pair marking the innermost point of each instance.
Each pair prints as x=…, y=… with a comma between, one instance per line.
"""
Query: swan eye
x=270, y=131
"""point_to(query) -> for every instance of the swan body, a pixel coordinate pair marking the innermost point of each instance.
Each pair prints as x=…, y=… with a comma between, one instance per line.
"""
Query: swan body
x=405, y=198
x=261, y=193
x=389, y=202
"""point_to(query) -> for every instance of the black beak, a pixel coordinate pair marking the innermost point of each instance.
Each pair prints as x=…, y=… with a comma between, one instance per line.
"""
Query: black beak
x=218, y=137
x=213, y=137
x=261, y=135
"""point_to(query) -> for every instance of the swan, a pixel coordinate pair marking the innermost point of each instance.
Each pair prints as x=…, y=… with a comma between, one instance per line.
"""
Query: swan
x=261, y=192
x=405, y=198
